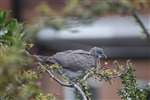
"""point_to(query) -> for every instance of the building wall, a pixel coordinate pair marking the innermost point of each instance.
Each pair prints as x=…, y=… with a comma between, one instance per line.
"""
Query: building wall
x=32, y=9
x=5, y=4
x=50, y=86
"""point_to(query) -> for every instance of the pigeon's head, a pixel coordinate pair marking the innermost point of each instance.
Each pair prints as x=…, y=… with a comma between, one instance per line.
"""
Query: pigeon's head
x=97, y=52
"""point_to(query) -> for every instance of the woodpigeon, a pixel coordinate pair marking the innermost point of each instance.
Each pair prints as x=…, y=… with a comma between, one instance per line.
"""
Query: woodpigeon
x=74, y=63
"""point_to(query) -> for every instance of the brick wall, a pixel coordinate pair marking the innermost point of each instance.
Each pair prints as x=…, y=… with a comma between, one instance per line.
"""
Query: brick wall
x=29, y=8
x=5, y=4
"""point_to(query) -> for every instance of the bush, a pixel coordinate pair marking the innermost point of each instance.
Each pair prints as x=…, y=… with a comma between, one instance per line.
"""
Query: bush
x=17, y=77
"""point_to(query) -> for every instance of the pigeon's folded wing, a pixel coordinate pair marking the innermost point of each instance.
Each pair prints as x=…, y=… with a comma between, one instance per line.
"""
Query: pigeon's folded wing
x=81, y=52
x=75, y=61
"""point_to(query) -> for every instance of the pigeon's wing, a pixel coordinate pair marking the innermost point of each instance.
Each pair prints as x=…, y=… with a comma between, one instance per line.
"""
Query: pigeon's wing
x=74, y=64
x=51, y=59
x=74, y=61
x=81, y=52
x=75, y=52
x=67, y=51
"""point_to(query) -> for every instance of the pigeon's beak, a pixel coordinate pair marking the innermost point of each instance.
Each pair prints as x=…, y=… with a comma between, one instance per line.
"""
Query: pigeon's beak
x=104, y=56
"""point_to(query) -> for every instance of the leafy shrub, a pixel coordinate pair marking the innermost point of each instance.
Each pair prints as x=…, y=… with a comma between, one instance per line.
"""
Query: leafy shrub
x=17, y=77
x=129, y=89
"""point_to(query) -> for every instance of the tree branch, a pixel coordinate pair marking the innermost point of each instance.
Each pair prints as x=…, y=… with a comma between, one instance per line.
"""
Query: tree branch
x=135, y=15
x=141, y=24
x=73, y=85
x=54, y=78
x=81, y=91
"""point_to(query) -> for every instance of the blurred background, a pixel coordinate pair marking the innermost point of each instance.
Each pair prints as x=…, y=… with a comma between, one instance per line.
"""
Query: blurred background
x=58, y=25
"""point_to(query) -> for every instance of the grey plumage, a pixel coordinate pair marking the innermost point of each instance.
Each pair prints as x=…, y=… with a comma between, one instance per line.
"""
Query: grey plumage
x=75, y=62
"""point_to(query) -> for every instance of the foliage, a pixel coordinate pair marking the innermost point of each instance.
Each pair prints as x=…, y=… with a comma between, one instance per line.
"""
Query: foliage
x=77, y=12
x=85, y=9
x=129, y=89
x=17, y=77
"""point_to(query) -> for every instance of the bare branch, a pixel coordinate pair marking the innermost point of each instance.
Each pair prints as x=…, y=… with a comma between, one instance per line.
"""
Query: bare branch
x=86, y=76
x=73, y=85
x=55, y=78
x=135, y=15
x=139, y=21
x=81, y=91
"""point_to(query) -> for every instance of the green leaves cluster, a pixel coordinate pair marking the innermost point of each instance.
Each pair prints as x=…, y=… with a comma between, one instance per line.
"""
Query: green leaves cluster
x=17, y=77
x=129, y=89
x=10, y=30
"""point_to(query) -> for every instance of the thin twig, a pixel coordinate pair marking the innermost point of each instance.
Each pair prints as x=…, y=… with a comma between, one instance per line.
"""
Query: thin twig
x=135, y=15
x=81, y=91
x=86, y=76
x=141, y=24
x=54, y=78
x=73, y=85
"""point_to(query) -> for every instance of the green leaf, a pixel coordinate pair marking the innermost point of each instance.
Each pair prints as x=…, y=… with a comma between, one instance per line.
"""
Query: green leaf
x=3, y=15
x=12, y=25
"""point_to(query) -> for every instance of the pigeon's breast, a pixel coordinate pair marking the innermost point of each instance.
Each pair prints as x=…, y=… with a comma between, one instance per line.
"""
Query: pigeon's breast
x=75, y=61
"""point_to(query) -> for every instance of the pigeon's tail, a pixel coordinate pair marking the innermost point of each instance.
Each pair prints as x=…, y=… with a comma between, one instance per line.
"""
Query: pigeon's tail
x=45, y=59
